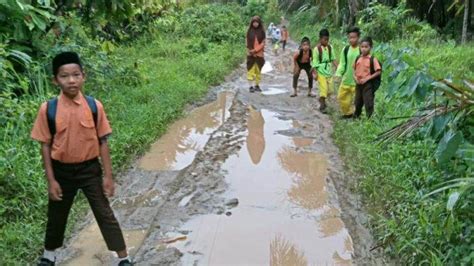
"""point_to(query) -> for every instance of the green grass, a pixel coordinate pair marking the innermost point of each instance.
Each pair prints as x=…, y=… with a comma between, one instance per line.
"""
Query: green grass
x=170, y=76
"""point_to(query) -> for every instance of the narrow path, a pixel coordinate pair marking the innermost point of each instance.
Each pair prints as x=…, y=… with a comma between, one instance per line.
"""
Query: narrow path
x=243, y=179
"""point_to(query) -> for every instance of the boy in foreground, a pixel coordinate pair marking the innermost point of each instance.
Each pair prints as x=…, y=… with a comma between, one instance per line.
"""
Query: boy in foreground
x=73, y=131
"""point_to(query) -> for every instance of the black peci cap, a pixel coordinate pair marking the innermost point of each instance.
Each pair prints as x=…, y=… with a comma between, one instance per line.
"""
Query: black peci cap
x=65, y=58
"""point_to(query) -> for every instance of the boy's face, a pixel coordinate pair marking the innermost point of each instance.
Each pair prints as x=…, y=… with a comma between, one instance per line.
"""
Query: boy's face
x=365, y=48
x=324, y=40
x=305, y=46
x=353, y=38
x=255, y=24
x=70, y=78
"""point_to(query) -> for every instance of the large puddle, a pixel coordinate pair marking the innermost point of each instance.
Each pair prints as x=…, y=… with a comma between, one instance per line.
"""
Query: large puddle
x=176, y=149
x=284, y=216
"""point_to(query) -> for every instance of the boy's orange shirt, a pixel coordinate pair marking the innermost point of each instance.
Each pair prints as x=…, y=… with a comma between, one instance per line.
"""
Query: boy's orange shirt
x=77, y=137
x=362, y=67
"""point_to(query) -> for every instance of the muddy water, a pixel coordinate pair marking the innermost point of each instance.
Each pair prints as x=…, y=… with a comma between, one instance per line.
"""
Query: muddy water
x=92, y=249
x=284, y=215
x=178, y=147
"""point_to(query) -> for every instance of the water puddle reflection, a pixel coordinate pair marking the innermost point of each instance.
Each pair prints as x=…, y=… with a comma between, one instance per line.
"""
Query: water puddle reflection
x=176, y=149
x=273, y=91
x=284, y=216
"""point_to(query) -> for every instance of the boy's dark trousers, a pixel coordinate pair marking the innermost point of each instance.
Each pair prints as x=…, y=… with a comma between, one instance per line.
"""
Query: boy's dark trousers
x=283, y=45
x=364, y=96
x=86, y=176
x=307, y=68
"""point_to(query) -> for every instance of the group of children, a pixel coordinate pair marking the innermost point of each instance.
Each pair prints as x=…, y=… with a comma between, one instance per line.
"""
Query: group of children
x=277, y=36
x=359, y=72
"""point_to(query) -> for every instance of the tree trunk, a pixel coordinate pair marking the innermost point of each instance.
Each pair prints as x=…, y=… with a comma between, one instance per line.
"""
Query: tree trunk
x=464, y=22
x=352, y=11
x=336, y=15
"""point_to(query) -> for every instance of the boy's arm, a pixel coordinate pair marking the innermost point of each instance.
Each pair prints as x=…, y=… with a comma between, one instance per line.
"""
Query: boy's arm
x=54, y=189
x=342, y=64
x=103, y=132
x=108, y=182
x=333, y=59
x=354, y=75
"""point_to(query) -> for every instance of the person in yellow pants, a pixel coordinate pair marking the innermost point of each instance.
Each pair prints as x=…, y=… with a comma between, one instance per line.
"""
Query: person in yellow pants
x=255, y=53
x=323, y=61
x=345, y=70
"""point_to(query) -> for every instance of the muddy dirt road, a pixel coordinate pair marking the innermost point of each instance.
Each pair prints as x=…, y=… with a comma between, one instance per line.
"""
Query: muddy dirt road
x=243, y=179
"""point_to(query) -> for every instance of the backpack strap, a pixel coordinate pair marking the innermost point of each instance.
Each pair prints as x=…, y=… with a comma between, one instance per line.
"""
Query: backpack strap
x=52, y=108
x=346, y=52
x=93, y=106
x=320, y=53
x=330, y=52
x=357, y=59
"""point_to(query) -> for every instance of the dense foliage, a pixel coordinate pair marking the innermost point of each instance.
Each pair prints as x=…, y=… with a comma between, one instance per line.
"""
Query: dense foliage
x=418, y=149
x=144, y=85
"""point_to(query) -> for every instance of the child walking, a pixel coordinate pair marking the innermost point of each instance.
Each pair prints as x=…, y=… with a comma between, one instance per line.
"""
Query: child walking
x=284, y=37
x=323, y=62
x=276, y=39
x=73, y=131
x=302, y=61
x=367, y=71
x=346, y=92
x=255, y=52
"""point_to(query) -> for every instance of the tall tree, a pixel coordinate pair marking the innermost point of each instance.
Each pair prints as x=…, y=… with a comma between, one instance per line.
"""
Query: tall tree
x=465, y=21
x=353, y=7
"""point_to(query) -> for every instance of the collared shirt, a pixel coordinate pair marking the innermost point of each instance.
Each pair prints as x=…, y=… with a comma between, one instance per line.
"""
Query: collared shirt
x=362, y=66
x=345, y=69
x=325, y=66
x=77, y=137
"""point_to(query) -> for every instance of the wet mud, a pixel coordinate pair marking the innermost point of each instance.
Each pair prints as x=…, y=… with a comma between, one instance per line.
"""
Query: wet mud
x=243, y=179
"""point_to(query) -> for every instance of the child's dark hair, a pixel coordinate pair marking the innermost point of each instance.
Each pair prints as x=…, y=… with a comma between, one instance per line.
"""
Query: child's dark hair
x=324, y=33
x=367, y=40
x=353, y=29
x=305, y=39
